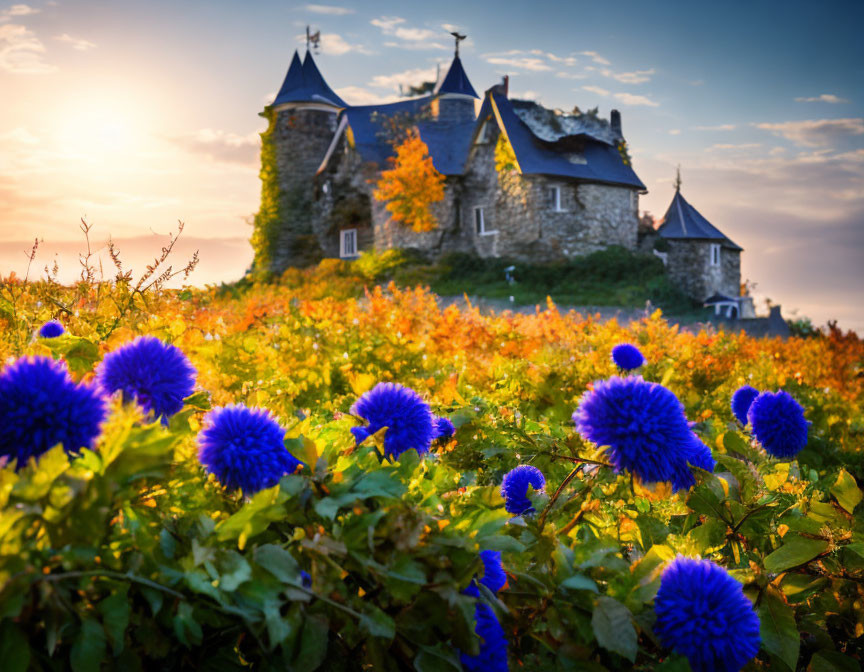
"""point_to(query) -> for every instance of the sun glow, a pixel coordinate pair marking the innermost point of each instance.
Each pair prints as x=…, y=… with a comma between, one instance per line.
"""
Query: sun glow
x=100, y=129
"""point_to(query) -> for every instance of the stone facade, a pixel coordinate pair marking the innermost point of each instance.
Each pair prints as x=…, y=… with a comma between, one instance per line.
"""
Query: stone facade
x=689, y=265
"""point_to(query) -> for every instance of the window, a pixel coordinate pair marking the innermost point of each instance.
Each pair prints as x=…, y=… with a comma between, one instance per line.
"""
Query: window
x=715, y=254
x=480, y=223
x=348, y=243
x=554, y=199
x=634, y=201
x=485, y=134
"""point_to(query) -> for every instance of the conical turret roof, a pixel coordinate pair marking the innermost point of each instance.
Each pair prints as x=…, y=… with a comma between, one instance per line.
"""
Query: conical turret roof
x=456, y=81
x=683, y=221
x=304, y=84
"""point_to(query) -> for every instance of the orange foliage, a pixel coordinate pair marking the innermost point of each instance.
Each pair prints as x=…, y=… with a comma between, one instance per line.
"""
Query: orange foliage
x=412, y=185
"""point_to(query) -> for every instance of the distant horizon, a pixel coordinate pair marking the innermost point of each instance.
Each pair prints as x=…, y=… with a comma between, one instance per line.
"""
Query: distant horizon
x=761, y=106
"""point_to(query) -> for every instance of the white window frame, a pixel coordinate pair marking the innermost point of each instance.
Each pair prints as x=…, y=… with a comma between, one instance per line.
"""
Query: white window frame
x=714, y=253
x=344, y=250
x=480, y=224
x=557, y=205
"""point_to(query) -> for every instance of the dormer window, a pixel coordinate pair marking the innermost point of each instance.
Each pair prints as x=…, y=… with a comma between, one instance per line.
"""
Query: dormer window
x=715, y=254
x=480, y=225
x=484, y=137
x=553, y=196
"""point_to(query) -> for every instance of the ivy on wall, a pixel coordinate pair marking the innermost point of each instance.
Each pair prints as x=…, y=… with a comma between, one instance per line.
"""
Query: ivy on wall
x=270, y=214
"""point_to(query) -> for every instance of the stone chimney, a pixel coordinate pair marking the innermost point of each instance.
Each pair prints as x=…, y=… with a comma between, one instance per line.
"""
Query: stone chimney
x=615, y=123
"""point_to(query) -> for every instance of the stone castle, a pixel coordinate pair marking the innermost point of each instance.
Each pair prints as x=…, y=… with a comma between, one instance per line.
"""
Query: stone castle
x=568, y=187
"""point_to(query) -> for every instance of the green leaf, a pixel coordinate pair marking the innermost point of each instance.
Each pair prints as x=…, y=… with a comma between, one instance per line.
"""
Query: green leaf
x=579, y=582
x=88, y=650
x=35, y=480
x=186, y=628
x=79, y=353
x=846, y=491
x=438, y=658
x=777, y=627
x=313, y=643
x=378, y=624
x=612, y=623
x=709, y=536
x=796, y=551
x=279, y=562
x=14, y=648
x=832, y=661
x=115, y=612
x=234, y=570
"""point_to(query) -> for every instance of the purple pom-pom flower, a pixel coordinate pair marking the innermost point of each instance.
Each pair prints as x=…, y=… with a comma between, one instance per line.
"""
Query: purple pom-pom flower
x=703, y=614
x=51, y=329
x=778, y=423
x=444, y=429
x=408, y=419
x=514, y=488
x=627, y=357
x=41, y=406
x=494, y=576
x=741, y=400
x=493, y=643
x=155, y=374
x=643, y=427
x=244, y=448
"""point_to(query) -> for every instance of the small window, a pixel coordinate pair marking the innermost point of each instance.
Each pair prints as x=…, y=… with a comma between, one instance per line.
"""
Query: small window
x=348, y=243
x=480, y=223
x=715, y=254
x=485, y=134
x=553, y=196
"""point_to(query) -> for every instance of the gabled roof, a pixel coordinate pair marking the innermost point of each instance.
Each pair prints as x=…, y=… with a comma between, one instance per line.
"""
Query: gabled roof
x=456, y=81
x=598, y=162
x=304, y=84
x=683, y=221
x=448, y=142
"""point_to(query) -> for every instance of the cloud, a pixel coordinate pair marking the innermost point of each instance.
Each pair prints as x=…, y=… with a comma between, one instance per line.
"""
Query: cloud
x=222, y=145
x=357, y=95
x=635, y=77
x=824, y=98
x=531, y=63
x=570, y=75
x=594, y=56
x=631, y=99
x=77, y=44
x=526, y=95
x=675, y=131
x=21, y=51
x=727, y=145
x=816, y=132
x=596, y=89
x=720, y=127
x=405, y=78
x=330, y=10
x=19, y=135
x=334, y=44
x=17, y=10
x=411, y=38
x=387, y=23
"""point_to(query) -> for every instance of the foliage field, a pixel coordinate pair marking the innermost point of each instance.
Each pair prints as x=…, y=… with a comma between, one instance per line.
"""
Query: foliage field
x=129, y=557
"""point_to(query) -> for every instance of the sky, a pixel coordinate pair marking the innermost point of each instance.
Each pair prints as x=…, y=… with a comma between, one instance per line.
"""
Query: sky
x=135, y=115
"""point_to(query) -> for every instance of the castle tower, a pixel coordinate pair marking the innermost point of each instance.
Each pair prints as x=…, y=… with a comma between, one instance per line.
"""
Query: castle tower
x=453, y=97
x=302, y=123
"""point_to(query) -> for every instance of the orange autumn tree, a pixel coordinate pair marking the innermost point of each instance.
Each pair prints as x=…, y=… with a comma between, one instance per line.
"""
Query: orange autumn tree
x=412, y=185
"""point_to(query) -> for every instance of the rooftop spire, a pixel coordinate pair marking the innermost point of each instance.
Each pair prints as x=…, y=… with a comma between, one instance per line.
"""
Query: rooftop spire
x=456, y=81
x=678, y=179
x=304, y=84
x=459, y=38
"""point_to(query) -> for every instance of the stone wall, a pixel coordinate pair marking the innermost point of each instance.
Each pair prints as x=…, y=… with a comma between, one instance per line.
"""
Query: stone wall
x=689, y=266
x=301, y=138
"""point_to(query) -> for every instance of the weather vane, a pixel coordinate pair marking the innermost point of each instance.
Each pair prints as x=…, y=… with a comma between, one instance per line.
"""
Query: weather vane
x=678, y=179
x=313, y=39
x=459, y=38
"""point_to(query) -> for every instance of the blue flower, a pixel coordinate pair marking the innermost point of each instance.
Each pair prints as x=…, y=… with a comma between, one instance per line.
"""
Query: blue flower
x=778, y=423
x=51, y=329
x=642, y=425
x=408, y=419
x=41, y=406
x=698, y=455
x=702, y=614
x=244, y=448
x=153, y=373
x=305, y=579
x=741, y=400
x=514, y=488
x=494, y=577
x=444, y=429
x=493, y=643
x=627, y=357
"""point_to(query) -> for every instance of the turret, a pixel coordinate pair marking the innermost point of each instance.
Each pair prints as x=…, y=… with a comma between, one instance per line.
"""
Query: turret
x=453, y=97
x=302, y=124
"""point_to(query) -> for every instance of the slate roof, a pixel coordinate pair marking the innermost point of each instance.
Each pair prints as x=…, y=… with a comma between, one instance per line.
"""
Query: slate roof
x=682, y=221
x=598, y=162
x=456, y=81
x=304, y=84
x=448, y=142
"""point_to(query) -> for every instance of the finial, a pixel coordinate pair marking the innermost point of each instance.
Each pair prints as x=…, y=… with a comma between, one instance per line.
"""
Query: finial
x=459, y=38
x=313, y=39
x=678, y=179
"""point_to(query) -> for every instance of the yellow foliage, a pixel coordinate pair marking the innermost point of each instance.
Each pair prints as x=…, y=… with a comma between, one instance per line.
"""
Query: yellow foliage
x=412, y=185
